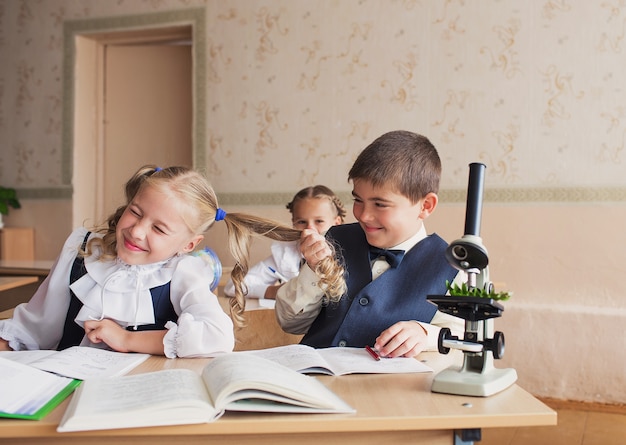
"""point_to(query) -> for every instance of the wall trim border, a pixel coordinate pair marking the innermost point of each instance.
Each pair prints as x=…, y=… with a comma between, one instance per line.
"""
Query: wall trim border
x=450, y=196
x=496, y=195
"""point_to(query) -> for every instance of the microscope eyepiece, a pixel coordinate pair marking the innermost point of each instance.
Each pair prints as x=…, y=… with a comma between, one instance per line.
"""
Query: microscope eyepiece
x=467, y=253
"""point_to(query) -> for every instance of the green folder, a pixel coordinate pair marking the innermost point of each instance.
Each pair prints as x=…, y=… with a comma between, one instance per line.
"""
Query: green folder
x=49, y=406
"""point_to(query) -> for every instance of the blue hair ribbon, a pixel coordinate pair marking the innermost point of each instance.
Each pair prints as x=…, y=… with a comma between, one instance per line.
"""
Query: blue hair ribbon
x=220, y=214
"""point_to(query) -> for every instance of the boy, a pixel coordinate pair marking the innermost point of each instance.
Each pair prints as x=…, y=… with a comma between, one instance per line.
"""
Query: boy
x=395, y=184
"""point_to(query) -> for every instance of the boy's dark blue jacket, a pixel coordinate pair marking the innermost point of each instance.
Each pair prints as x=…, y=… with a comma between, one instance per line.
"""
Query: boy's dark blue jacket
x=370, y=307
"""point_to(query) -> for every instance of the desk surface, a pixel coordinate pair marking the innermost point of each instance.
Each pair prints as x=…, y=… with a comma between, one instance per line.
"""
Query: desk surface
x=387, y=406
x=19, y=267
x=11, y=282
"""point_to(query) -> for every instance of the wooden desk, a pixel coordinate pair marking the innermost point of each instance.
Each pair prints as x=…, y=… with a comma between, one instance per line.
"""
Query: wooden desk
x=20, y=267
x=13, y=297
x=7, y=283
x=390, y=409
x=8, y=313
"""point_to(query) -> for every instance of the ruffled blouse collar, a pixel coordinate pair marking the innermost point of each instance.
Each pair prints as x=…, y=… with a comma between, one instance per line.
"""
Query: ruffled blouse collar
x=119, y=291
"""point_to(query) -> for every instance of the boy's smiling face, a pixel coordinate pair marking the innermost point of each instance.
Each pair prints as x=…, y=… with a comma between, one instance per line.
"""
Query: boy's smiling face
x=387, y=217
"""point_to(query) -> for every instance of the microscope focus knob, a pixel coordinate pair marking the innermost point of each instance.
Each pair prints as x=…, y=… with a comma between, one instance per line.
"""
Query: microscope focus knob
x=496, y=345
x=444, y=334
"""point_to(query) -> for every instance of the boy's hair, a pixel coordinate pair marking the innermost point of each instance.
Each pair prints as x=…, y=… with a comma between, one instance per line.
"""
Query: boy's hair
x=406, y=161
x=318, y=192
x=198, y=209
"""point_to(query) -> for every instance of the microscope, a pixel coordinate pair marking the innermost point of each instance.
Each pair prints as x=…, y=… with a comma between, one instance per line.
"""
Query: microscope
x=480, y=344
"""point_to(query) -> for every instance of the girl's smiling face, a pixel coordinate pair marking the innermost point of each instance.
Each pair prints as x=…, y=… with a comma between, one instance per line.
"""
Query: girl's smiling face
x=151, y=229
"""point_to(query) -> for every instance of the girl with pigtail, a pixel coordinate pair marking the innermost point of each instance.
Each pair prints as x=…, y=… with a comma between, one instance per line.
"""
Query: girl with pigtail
x=133, y=285
x=314, y=207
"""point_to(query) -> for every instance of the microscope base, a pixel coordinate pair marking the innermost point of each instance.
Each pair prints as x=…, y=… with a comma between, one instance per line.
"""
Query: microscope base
x=455, y=381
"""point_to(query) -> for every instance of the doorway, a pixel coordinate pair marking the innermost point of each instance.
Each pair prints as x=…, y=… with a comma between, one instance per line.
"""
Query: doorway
x=147, y=113
x=104, y=140
x=138, y=87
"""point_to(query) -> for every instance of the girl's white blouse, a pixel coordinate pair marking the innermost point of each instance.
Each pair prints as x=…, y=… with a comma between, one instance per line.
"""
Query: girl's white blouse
x=121, y=292
x=285, y=259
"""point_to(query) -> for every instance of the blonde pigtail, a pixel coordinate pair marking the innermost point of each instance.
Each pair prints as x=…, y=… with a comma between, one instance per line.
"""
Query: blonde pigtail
x=238, y=302
x=241, y=227
x=332, y=278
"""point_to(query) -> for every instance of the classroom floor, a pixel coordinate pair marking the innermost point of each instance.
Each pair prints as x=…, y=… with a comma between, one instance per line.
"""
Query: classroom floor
x=577, y=424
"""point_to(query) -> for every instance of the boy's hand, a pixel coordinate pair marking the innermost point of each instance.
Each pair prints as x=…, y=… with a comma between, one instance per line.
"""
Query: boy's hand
x=403, y=339
x=109, y=332
x=314, y=247
x=4, y=345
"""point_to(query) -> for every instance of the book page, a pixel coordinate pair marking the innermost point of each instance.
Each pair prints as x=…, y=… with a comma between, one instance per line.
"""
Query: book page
x=26, y=357
x=337, y=361
x=169, y=397
x=82, y=362
x=301, y=358
x=79, y=362
x=233, y=377
x=24, y=390
x=139, y=391
x=357, y=360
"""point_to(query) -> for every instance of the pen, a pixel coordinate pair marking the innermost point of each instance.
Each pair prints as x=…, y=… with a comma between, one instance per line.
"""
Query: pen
x=278, y=275
x=373, y=353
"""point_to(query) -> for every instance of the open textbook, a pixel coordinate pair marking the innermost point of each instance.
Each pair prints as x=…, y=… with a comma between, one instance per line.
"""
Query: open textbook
x=78, y=362
x=230, y=382
x=337, y=361
x=28, y=393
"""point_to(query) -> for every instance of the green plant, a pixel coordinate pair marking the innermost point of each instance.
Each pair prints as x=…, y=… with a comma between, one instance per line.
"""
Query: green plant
x=8, y=198
x=464, y=291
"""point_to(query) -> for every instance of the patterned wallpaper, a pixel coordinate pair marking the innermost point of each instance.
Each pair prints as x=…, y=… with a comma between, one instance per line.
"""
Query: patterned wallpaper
x=292, y=90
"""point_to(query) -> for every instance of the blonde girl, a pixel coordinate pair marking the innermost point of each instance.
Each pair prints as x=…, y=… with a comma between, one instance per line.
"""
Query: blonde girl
x=133, y=285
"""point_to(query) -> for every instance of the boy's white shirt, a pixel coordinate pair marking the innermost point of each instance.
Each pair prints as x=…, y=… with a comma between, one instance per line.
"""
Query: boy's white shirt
x=298, y=302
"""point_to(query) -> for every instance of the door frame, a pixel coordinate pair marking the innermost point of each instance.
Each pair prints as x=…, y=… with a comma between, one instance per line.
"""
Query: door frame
x=82, y=105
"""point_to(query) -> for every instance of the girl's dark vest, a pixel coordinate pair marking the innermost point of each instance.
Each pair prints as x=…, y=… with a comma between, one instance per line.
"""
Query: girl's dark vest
x=369, y=307
x=73, y=333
